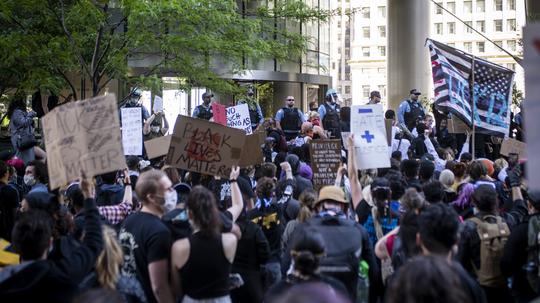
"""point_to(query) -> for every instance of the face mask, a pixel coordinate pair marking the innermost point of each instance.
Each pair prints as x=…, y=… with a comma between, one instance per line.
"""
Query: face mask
x=154, y=129
x=170, y=200
x=29, y=180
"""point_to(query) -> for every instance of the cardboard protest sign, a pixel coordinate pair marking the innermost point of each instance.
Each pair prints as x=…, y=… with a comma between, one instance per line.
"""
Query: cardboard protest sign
x=388, y=126
x=344, y=136
x=457, y=126
x=251, y=151
x=132, y=136
x=158, y=104
x=325, y=160
x=83, y=135
x=205, y=147
x=219, y=113
x=370, y=137
x=238, y=117
x=157, y=147
x=531, y=106
x=513, y=146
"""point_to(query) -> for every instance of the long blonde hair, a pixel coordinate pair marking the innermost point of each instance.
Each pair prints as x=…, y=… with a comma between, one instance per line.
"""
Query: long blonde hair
x=109, y=261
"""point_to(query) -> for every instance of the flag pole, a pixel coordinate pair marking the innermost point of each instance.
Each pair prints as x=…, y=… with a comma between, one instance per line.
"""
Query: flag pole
x=473, y=111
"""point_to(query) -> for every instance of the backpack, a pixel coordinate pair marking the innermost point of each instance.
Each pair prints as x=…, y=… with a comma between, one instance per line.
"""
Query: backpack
x=386, y=265
x=533, y=253
x=493, y=237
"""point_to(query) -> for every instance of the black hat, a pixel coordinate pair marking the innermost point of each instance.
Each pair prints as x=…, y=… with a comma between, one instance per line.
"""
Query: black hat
x=414, y=91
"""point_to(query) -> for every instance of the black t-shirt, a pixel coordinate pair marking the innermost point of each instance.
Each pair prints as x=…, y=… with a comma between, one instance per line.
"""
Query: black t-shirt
x=222, y=191
x=144, y=239
x=278, y=290
x=270, y=219
x=9, y=201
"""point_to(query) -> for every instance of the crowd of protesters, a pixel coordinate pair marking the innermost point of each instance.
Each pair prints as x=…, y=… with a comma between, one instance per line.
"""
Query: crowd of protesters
x=438, y=225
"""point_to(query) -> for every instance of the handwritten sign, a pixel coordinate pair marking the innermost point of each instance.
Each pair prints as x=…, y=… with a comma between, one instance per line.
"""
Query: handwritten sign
x=83, y=135
x=157, y=147
x=370, y=137
x=132, y=137
x=205, y=147
x=219, y=112
x=325, y=160
x=457, y=126
x=158, y=104
x=513, y=146
x=238, y=117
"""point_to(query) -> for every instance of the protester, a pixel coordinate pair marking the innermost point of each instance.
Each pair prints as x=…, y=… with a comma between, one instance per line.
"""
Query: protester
x=9, y=202
x=146, y=240
x=134, y=101
x=255, y=112
x=329, y=113
x=204, y=111
x=36, y=177
x=374, y=97
x=156, y=126
x=290, y=119
x=21, y=128
x=50, y=280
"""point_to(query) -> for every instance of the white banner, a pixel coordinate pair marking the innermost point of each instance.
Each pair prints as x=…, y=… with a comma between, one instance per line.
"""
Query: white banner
x=132, y=136
x=238, y=117
x=158, y=104
x=367, y=125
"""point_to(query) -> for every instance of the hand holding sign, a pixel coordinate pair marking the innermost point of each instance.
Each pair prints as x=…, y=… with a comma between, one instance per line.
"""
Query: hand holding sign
x=367, y=121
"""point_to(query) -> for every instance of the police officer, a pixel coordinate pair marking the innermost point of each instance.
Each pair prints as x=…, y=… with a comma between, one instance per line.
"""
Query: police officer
x=204, y=111
x=255, y=111
x=289, y=119
x=134, y=101
x=329, y=113
x=410, y=111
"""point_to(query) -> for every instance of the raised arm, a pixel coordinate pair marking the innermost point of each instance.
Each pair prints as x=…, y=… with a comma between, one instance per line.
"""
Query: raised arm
x=236, y=194
x=165, y=127
x=146, y=127
x=356, y=187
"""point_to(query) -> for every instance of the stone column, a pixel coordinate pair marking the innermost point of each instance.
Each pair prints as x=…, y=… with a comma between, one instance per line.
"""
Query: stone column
x=408, y=62
x=533, y=10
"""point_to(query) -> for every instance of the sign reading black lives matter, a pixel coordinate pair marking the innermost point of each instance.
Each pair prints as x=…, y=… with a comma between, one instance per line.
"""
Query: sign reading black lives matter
x=205, y=147
x=83, y=135
x=325, y=160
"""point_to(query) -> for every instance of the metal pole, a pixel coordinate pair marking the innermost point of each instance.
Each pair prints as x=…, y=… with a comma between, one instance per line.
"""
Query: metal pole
x=473, y=110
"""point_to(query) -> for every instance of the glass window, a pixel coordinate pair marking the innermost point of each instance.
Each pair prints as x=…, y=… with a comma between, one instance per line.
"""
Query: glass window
x=467, y=7
x=438, y=28
x=348, y=76
x=365, y=51
x=382, y=31
x=347, y=89
x=511, y=25
x=481, y=26
x=382, y=11
x=511, y=45
x=480, y=6
x=366, y=12
x=382, y=90
x=480, y=46
x=467, y=46
x=381, y=70
x=438, y=9
x=511, y=4
x=451, y=6
x=467, y=28
x=497, y=25
x=498, y=5
x=366, y=32
x=365, y=91
x=382, y=50
x=498, y=43
x=451, y=27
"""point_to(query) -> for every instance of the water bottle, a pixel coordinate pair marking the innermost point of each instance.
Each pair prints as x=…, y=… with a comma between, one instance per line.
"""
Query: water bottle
x=362, y=286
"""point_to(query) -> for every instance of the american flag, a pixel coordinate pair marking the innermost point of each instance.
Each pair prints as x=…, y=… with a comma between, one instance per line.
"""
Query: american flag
x=491, y=92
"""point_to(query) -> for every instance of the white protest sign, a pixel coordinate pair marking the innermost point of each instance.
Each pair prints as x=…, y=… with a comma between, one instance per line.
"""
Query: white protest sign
x=132, y=138
x=158, y=104
x=238, y=117
x=531, y=46
x=370, y=138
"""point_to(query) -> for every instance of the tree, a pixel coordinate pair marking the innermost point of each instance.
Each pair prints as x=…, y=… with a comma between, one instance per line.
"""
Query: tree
x=102, y=40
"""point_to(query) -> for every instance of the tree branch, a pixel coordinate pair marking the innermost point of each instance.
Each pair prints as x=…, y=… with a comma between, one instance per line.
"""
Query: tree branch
x=73, y=90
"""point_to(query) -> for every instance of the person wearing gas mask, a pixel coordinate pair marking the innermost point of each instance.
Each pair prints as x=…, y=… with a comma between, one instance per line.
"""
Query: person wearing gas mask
x=134, y=101
x=204, y=111
x=255, y=112
x=156, y=126
x=329, y=113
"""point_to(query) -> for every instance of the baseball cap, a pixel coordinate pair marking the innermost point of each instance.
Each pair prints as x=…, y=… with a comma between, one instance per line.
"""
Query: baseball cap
x=333, y=193
x=331, y=92
x=414, y=91
x=207, y=94
x=375, y=94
